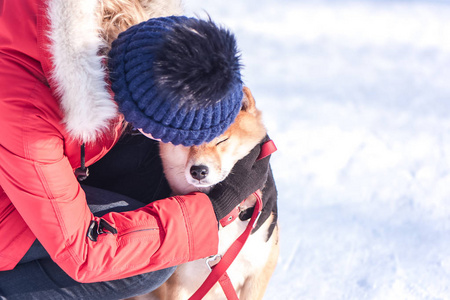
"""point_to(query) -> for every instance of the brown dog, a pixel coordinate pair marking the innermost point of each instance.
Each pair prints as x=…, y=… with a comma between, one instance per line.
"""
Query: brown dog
x=253, y=267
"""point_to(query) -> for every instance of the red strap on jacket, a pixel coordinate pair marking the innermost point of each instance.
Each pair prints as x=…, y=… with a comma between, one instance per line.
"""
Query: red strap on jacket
x=219, y=270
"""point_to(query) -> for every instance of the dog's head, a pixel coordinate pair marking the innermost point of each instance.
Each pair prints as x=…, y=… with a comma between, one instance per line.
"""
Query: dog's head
x=208, y=164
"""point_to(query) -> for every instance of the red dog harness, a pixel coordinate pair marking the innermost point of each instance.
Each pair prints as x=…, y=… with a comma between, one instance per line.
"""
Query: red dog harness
x=218, y=271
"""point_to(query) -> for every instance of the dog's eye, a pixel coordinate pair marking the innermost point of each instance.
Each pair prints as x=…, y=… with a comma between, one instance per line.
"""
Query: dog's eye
x=220, y=142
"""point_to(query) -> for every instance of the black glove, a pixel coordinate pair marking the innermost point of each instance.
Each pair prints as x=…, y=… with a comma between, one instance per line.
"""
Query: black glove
x=247, y=176
x=269, y=198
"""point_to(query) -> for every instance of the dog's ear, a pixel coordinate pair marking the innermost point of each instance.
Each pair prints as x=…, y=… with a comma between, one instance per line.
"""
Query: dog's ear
x=248, y=102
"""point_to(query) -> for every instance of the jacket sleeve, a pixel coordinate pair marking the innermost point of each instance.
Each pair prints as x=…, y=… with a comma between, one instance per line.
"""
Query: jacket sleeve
x=39, y=180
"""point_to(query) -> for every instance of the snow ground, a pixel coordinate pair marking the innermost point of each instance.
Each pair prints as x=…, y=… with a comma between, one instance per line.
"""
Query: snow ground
x=356, y=95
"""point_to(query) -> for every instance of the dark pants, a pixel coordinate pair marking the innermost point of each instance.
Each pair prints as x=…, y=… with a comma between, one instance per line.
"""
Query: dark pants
x=132, y=168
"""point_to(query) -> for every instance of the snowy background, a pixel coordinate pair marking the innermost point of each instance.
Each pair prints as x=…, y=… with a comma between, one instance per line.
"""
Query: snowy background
x=356, y=95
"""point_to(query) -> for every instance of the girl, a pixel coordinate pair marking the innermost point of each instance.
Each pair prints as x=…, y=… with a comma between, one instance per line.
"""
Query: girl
x=173, y=79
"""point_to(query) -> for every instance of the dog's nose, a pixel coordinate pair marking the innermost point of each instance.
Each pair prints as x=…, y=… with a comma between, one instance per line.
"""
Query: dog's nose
x=199, y=172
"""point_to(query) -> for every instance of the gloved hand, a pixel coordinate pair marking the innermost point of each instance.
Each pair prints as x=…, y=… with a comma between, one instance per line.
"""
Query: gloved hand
x=269, y=198
x=247, y=176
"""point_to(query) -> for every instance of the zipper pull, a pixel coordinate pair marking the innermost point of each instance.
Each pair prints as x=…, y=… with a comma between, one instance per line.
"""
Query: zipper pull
x=82, y=172
x=95, y=229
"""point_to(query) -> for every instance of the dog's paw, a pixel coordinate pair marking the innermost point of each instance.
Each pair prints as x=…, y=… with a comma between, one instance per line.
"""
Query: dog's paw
x=247, y=207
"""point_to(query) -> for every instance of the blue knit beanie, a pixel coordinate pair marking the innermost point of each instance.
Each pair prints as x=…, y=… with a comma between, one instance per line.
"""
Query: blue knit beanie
x=177, y=78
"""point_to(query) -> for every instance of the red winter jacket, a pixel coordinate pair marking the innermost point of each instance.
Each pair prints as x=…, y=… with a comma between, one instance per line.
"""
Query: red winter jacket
x=53, y=96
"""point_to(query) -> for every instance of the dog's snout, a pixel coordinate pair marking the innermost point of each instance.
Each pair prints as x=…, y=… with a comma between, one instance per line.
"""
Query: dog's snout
x=199, y=172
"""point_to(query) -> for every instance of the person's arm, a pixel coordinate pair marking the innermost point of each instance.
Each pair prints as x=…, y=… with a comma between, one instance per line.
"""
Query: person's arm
x=40, y=182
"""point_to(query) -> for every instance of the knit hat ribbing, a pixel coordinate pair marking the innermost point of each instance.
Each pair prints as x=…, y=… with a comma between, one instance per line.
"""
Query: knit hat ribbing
x=177, y=78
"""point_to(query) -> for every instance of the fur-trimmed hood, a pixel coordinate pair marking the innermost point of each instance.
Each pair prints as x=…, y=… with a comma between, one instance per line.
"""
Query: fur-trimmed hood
x=77, y=72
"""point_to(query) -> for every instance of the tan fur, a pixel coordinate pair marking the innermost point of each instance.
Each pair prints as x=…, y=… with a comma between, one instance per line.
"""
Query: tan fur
x=252, y=269
x=115, y=16
x=255, y=286
x=220, y=154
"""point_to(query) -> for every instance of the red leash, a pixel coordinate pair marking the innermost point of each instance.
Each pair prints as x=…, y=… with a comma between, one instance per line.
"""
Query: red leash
x=219, y=271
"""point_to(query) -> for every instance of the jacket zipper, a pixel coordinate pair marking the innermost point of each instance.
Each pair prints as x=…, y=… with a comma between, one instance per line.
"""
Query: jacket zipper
x=97, y=228
x=133, y=231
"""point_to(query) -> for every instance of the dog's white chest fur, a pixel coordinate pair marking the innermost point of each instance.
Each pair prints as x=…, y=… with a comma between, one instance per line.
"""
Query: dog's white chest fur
x=253, y=255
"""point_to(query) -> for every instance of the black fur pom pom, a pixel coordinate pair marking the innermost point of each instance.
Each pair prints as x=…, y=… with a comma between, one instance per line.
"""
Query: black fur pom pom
x=198, y=64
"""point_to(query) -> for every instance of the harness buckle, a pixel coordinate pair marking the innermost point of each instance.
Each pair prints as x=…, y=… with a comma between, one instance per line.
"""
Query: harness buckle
x=212, y=261
x=256, y=220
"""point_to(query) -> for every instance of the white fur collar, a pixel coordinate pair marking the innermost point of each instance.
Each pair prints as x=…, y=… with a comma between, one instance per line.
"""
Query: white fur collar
x=78, y=72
